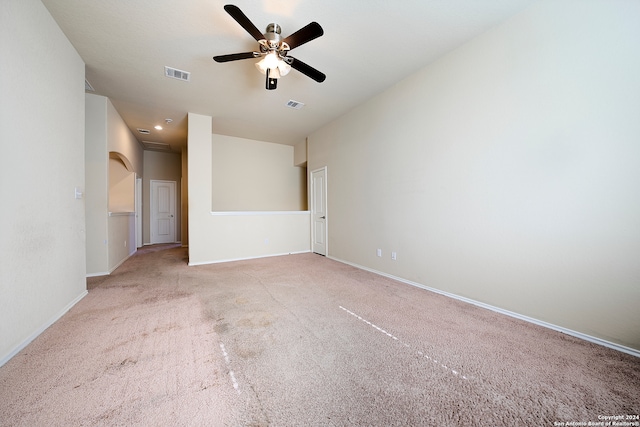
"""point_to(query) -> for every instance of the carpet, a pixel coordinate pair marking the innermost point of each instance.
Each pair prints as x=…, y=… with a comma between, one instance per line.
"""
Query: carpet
x=302, y=340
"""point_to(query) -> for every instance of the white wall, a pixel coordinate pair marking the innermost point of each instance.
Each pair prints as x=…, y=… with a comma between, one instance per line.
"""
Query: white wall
x=42, y=134
x=506, y=172
x=230, y=236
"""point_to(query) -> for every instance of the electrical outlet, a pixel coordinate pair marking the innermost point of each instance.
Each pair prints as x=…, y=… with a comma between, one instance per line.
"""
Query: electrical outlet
x=379, y=252
x=394, y=256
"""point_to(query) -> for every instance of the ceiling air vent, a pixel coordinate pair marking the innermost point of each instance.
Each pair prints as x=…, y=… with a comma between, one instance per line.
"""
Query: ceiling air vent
x=295, y=104
x=177, y=74
x=159, y=146
x=144, y=131
x=88, y=87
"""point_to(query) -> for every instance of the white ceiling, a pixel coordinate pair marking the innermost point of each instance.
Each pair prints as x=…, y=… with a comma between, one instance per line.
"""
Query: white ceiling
x=368, y=45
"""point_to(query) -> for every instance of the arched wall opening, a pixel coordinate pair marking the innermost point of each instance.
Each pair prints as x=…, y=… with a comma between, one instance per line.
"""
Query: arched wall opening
x=122, y=180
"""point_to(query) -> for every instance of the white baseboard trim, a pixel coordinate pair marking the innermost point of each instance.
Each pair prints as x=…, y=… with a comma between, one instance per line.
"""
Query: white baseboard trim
x=41, y=329
x=247, y=258
x=121, y=262
x=566, y=331
x=169, y=243
x=103, y=273
x=106, y=273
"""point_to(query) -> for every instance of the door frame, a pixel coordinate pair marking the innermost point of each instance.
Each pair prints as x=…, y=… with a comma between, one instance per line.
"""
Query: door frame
x=326, y=209
x=138, y=203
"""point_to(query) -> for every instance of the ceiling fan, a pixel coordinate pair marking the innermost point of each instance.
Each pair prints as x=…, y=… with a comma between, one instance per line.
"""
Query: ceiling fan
x=274, y=50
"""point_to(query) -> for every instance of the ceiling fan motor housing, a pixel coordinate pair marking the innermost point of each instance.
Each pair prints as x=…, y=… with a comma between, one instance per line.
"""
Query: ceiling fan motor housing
x=273, y=37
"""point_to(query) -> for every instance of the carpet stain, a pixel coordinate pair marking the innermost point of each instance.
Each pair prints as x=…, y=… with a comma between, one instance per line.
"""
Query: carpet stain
x=121, y=365
x=256, y=321
x=221, y=328
x=246, y=353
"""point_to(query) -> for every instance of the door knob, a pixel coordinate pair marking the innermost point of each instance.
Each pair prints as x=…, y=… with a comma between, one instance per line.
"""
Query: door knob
x=322, y=217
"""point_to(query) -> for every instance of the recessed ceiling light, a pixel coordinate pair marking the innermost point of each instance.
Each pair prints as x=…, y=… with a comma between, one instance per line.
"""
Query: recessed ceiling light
x=157, y=127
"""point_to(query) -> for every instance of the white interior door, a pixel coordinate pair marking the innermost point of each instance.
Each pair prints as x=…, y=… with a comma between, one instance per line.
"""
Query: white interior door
x=319, y=211
x=163, y=211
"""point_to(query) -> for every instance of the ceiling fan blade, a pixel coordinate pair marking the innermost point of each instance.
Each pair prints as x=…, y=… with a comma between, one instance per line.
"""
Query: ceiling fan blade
x=307, y=70
x=236, y=56
x=304, y=35
x=244, y=22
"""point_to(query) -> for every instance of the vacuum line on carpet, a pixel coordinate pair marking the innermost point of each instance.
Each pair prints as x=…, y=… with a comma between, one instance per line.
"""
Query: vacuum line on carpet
x=390, y=335
x=231, y=374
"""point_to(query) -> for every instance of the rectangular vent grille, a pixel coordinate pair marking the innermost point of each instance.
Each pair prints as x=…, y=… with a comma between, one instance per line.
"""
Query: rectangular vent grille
x=144, y=131
x=177, y=74
x=160, y=146
x=295, y=104
x=88, y=87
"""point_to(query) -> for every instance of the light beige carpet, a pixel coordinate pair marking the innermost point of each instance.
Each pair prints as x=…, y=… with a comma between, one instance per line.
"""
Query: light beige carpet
x=300, y=340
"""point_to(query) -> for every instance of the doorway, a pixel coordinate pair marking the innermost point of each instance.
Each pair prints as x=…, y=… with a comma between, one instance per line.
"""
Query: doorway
x=319, y=227
x=163, y=211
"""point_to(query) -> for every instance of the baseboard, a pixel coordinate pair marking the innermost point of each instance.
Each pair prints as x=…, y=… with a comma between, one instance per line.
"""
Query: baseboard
x=570, y=332
x=247, y=258
x=111, y=270
x=102, y=273
x=41, y=329
x=153, y=244
x=106, y=273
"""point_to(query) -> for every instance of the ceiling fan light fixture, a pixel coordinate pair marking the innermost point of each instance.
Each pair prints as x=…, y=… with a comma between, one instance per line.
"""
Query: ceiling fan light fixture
x=270, y=61
x=275, y=64
x=283, y=68
x=273, y=49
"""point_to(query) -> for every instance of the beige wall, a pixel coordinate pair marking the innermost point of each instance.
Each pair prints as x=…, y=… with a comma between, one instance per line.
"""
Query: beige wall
x=300, y=154
x=42, y=134
x=120, y=140
x=184, y=199
x=250, y=175
x=224, y=236
x=165, y=167
x=121, y=187
x=506, y=172
x=96, y=184
x=108, y=136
